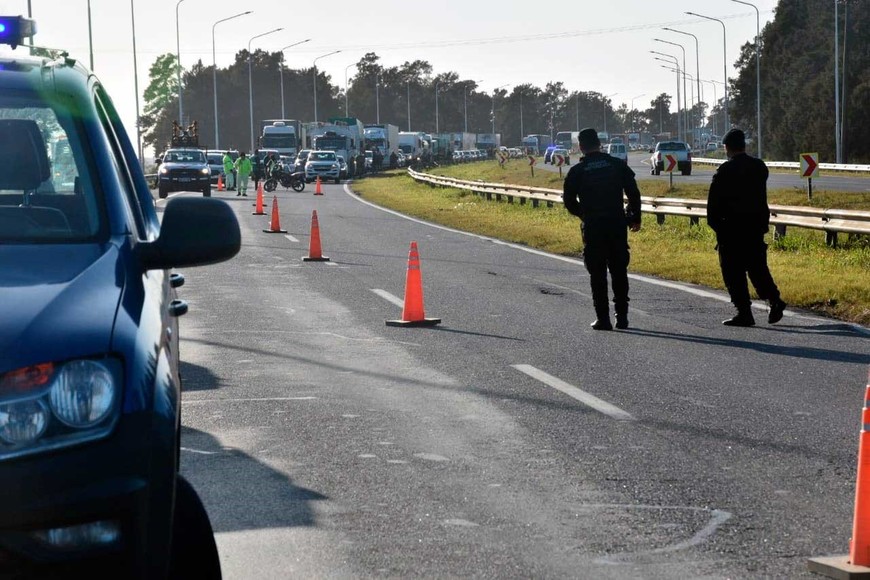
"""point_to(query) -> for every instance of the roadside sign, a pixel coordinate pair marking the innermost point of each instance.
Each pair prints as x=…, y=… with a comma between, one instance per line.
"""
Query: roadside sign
x=502, y=157
x=558, y=160
x=670, y=163
x=809, y=165
x=532, y=160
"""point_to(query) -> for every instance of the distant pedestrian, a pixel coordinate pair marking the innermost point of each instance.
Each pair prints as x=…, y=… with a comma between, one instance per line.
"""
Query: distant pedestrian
x=394, y=160
x=593, y=191
x=737, y=211
x=244, y=167
x=229, y=171
x=361, y=164
x=258, y=170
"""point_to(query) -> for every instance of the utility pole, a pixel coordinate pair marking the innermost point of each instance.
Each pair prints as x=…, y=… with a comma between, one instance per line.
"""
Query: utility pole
x=837, y=134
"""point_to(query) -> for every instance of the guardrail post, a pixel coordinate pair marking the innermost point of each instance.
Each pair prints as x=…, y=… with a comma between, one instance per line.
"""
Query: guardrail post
x=498, y=197
x=488, y=196
x=778, y=231
x=535, y=203
x=549, y=203
x=522, y=201
x=831, y=239
x=694, y=220
x=660, y=219
x=510, y=199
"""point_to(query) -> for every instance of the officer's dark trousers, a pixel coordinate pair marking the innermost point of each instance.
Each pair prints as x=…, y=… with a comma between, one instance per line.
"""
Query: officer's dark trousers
x=739, y=257
x=606, y=248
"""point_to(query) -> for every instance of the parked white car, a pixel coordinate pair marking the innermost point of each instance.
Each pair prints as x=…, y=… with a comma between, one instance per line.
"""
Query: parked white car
x=617, y=150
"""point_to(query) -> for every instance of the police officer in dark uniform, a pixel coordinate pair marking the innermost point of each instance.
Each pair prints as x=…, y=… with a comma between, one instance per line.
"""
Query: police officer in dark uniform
x=737, y=211
x=593, y=192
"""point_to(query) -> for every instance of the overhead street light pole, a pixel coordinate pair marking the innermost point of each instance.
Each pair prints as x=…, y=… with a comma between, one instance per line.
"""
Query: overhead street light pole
x=281, y=70
x=686, y=102
x=724, y=63
x=632, y=110
x=409, y=106
x=250, y=83
x=314, y=67
x=465, y=101
x=436, y=107
x=178, y=65
x=697, y=66
x=757, y=71
x=605, y=109
x=214, y=75
x=676, y=63
x=136, y=88
x=715, y=101
x=345, y=88
x=378, y=98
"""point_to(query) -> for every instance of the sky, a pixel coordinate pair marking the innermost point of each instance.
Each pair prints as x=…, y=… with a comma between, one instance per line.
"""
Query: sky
x=590, y=46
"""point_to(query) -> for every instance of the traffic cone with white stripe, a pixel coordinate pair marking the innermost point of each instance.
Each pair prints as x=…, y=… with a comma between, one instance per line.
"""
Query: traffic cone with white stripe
x=317, y=189
x=315, y=254
x=275, y=227
x=412, y=311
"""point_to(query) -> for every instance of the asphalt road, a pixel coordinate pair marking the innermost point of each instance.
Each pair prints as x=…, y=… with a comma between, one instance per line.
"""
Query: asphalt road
x=639, y=162
x=511, y=441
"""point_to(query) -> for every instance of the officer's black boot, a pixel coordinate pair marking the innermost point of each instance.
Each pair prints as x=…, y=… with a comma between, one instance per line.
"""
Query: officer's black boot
x=622, y=316
x=602, y=321
x=743, y=318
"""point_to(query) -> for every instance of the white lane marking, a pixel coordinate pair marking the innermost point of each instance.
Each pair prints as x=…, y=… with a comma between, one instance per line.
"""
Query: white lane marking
x=291, y=238
x=592, y=401
x=639, y=278
x=250, y=400
x=332, y=263
x=430, y=457
x=389, y=297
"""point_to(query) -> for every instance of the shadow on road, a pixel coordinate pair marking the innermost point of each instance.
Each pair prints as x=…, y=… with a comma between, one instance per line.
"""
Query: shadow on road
x=805, y=352
x=197, y=378
x=239, y=491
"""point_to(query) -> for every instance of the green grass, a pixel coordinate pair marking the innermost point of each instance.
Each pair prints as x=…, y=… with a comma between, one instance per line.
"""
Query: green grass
x=830, y=281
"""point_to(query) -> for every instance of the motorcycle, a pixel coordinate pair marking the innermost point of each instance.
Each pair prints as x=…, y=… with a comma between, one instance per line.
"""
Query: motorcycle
x=296, y=180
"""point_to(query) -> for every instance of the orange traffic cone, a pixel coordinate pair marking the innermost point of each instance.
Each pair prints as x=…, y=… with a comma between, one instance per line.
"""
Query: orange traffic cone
x=412, y=313
x=317, y=189
x=857, y=563
x=315, y=254
x=220, y=182
x=259, y=204
x=275, y=228
x=259, y=192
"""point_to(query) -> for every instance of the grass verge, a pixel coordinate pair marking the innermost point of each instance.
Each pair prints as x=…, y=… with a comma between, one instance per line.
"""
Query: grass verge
x=831, y=281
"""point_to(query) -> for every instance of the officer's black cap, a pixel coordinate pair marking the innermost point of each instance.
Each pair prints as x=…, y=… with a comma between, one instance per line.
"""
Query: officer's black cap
x=588, y=138
x=734, y=139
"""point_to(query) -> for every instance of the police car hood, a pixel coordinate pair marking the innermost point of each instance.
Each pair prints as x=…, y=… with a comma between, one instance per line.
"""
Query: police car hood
x=184, y=165
x=59, y=301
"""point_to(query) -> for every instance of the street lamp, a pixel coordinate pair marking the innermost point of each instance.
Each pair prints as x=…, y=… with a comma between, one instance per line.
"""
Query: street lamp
x=676, y=70
x=676, y=63
x=715, y=102
x=178, y=65
x=632, y=110
x=757, y=71
x=493, y=105
x=378, y=98
x=697, y=64
x=281, y=69
x=90, y=36
x=409, y=106
x=214, y=74
x=314, y=67
x=724, y=63
x=345, y=88
x=250, y=84
x=465, y=101
x=686, y=103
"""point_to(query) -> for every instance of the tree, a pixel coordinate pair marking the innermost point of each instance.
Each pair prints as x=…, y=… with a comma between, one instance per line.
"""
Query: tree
x=161, y=93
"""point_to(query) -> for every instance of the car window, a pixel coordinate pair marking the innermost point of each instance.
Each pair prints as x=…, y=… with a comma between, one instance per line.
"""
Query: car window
x=671, y=146
x=48, y=192
x=184, y=157
x=321, y=156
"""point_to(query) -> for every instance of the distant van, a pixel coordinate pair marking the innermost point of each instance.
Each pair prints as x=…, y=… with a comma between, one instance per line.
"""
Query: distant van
x=618, y=150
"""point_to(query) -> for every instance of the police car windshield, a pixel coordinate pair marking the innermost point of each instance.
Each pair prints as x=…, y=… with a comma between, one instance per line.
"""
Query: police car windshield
x=321, y=156
x=183, y=156
x=47, y=189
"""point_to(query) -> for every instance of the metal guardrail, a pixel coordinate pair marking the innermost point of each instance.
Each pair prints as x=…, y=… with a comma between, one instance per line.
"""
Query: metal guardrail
x=792, y=165
x=830, y=221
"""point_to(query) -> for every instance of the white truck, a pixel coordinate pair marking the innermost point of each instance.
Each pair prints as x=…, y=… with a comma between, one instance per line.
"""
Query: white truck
x=343, y=136
x=383, y=137
x=282, y=135
x=412, y=144
x=463, y=141
x=489, y=142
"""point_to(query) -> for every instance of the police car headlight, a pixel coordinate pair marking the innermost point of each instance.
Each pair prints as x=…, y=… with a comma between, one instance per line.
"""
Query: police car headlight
x=82, y=393
x=205, y=171
x=334, y=166
x=52, y=405
x=164, y=171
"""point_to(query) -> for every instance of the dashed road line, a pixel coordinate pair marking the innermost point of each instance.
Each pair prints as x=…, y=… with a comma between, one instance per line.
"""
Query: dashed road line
x=291, y=238
x=248, y=400
x=587, y=399
x=389, y=297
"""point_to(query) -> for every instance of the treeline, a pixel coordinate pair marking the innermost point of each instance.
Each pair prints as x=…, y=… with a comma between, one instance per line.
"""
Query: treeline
x=797, y=81
x=380, y=93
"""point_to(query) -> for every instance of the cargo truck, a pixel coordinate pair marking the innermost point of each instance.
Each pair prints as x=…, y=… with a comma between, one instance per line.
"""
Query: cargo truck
x=383, y=137
x=488, y=142
x=463, y=141
x=536, y=144
x=412, y=144
x=282, y=135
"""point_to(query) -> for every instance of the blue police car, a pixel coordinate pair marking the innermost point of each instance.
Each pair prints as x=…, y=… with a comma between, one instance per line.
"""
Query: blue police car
x=89, y=383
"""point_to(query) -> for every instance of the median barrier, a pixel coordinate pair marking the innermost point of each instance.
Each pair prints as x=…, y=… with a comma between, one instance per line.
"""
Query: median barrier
x=830, y=221
x=793, y=165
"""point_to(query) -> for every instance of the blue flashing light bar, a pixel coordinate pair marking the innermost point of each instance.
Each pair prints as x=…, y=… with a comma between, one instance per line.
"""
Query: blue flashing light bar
x=15, y=29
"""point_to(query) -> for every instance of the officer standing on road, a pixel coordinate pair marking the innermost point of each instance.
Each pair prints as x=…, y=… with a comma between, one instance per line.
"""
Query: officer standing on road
x=361, y=163
x=593, y=191
x=257, y=168
x=243, y=169
x=737, y=211
x=229, y=171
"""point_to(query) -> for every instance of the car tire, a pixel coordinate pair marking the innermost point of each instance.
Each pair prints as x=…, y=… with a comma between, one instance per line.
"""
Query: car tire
x=163, y=192
x=686, y=172
x=194, y=551
x=206, y=191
